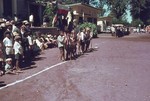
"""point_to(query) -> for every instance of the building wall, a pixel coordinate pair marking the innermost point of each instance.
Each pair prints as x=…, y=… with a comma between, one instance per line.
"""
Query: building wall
x=86, y=13
x=18, y=7
x=22, y=8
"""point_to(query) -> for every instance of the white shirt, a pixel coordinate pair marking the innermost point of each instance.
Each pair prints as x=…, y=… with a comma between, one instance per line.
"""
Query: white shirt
x=7, y=67
x=18, y=48
x=82, y=35
x=7, y=42
x=13, y=28
x=39, y=44
x=30, y=40
x=31, y=18
x=60, y=40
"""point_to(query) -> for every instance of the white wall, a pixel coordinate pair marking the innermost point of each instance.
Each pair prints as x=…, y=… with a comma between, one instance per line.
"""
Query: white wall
x=101, y=24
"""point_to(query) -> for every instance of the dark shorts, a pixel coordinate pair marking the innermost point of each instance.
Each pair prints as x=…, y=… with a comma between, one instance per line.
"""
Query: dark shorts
x=61, y=49
x=17, y=56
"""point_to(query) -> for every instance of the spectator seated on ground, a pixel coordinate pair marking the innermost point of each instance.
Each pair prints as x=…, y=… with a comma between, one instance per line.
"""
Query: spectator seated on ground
x=43, y=39
x=8, y=67
x=51, y=41
x=38, y=41
x=39, y=44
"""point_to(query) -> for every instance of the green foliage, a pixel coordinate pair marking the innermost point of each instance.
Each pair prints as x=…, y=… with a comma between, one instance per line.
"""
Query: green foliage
x=140, y=9
x=136, y=22
x=90, y=25
x=120, y=21
x=49, y=11
x=118, y=7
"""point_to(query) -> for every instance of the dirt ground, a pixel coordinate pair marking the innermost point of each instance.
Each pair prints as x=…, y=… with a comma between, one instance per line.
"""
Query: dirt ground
x=116, y=70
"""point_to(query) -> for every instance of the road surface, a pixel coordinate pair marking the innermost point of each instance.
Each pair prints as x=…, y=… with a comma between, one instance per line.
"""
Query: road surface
x=118, y=69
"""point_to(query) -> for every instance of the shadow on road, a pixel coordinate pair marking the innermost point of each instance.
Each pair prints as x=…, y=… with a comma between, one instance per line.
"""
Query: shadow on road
x=2, y=83
x=39, y=58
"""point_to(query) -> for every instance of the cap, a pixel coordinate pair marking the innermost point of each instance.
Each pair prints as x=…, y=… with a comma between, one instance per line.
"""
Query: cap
x=15, y=34
x=17, y=37
x=8, y=59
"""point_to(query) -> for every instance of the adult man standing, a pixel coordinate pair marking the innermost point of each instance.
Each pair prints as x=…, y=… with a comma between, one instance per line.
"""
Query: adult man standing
x=8, y=43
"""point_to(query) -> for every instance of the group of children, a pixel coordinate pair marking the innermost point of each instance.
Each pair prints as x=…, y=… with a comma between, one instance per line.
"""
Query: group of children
x=72, y=44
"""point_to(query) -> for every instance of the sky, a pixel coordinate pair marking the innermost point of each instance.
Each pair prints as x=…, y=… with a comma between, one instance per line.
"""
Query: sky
x=127, y=16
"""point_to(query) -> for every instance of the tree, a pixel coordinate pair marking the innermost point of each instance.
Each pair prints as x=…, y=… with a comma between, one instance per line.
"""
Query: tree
x=140, y=10
x=136, y=8
x=118, y=7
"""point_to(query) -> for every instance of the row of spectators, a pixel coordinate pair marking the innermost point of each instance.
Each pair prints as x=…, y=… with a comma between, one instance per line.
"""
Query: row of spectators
x=18, y=45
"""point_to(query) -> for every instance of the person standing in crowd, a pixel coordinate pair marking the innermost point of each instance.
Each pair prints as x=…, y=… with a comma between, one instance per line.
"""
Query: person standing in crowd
x=13, y=23
x=73, y=44
x=25, y=46
x=15, y=18
x=67, y=43
x=16, y=29
x=8, y=43
x=18, y=50
x=46, y=21
x=64, y=24
x=23, y=30
x=31, y=19
x=9, y=27
x=60, y=40
x=82, y=39
x=30, y=41
x=87, y=38
x=1, y=60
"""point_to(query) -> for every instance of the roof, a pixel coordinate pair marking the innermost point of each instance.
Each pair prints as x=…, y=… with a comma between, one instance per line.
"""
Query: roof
x=105, y=18
x=82, y=4
x=60, y=6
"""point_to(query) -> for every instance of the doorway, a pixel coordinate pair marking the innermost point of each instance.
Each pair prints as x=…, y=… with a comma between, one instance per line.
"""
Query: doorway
x=7, y=8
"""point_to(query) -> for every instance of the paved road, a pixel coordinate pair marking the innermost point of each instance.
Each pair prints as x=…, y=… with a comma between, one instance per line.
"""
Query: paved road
x=118, y=69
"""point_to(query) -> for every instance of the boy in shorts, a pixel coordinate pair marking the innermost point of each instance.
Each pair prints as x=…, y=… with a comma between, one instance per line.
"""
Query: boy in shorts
x=18, y=51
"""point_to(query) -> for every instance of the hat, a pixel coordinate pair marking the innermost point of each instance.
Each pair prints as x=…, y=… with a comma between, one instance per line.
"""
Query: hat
x=8, y=23
x=1, y=20
x=15, y=34
x=17, y=37
x=3, y=25
x=8, y=59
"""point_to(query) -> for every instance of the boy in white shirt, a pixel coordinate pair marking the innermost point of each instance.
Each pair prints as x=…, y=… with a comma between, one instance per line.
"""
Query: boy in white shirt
x=18, y=51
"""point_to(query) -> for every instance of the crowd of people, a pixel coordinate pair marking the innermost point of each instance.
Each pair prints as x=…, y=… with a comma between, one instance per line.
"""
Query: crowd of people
x=18, y=45
x=119, y=31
